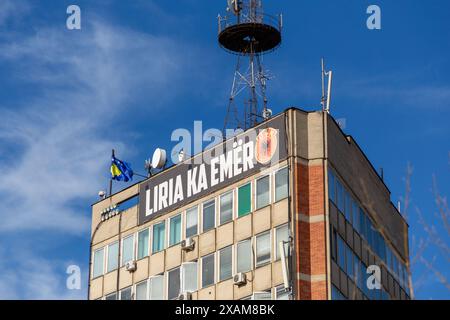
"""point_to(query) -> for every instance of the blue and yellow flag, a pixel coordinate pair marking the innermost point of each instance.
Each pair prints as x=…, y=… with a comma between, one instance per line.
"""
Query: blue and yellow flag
x=120, y=170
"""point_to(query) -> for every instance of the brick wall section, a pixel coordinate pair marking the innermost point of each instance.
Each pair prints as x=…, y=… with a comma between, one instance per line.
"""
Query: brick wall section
x=311, y=247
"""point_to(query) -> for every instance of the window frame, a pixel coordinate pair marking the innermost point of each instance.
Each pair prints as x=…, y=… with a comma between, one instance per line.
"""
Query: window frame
x=333, y=185
x=203, y=214
x=150, y=287
x=107, y=257
x=341, y=253
x=93, y=263
x=266, y=292
x=275, y=237
x=169, y=230
x=153, y=236
x=267, y=176
x=183, y=277
x=220, y=223
x=187, y=211
x=281, y=288
x=146, y=289
x=236, y=262
x=122, y=263
x=168, y=281
x=251, y=200
x=148, y=243
x=261, y=264
x=219, y=261
x=131, y=293
x=274, y=184
x=111, y=294
x=202, y=286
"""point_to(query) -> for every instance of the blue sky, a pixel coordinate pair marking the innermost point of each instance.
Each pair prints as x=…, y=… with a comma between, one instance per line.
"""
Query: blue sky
x=139, y=69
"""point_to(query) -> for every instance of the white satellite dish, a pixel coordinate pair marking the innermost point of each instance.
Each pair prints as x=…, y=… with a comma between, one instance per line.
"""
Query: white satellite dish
x=233, y=5
x=159, y=158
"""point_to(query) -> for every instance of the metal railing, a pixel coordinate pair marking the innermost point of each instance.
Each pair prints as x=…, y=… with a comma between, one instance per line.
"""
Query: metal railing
x=259, y=18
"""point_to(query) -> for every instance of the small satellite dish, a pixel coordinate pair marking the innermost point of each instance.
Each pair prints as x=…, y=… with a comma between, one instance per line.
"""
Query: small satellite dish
x=233, y=5
x=181, y=155
x=267, y=114
x=159, y=158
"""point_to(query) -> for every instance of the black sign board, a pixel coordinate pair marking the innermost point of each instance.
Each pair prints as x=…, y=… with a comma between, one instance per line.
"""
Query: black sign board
x=233, y=160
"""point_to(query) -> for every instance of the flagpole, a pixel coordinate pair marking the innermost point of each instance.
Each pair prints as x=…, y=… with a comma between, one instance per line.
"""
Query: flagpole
x=111, y=180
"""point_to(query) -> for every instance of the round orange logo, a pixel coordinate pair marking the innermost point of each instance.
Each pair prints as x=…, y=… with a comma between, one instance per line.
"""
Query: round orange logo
x=266, y=145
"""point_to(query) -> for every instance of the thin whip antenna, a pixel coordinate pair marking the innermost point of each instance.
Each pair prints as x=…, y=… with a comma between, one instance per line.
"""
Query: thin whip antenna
x=325, y=101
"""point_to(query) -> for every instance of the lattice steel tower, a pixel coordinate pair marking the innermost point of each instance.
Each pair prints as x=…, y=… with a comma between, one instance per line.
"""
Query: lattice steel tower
x=248, y=33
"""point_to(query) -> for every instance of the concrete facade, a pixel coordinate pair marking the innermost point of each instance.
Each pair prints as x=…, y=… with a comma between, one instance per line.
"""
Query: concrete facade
x=316, y=146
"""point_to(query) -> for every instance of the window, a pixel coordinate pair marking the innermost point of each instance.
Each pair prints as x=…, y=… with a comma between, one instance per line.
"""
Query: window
x=244, y=200
x=364, y=278
x=370, y=232
x=225, y=263
x=281, y=234
x=362, y=223
x=262, y=192
x=281, y=293
x=262, y=249
x=125, y=294
x=209, y=215
x=348, y=206
x=127, y=250
x=189, y=277
x=281, y=184
x=112, y=296
x=355, y=211
x=336, y=294
x=333, y=244
x=340, y=195
x=143, y=238
x=331, y=186
x=208, y=270
x=362, y=275
x=341, y=252
x=173, y=289
x=141, y=291
x=156, y=287
x=98, y=262
x=159, y=231
x=191, y=222
x=175, y=230
x=244, y=256
x=113, y=257
x=226, y=207
x=350, y=272
x=356, y=270
x=262, y=296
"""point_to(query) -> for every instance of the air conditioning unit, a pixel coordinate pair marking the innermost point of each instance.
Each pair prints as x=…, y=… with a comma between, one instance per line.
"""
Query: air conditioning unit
x=185, y=296
x=240, y=279
x=188, y=244
x=131, y=266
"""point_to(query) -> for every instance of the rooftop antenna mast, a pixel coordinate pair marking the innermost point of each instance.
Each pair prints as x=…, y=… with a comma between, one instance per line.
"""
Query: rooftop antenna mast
x=248, y=33
x=326, y=93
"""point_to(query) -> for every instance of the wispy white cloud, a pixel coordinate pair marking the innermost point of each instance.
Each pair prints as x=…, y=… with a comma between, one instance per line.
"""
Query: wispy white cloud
x=85, y=80
x=27, y=276
x=12, y=10
x=398, y=89
x=55, y=141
